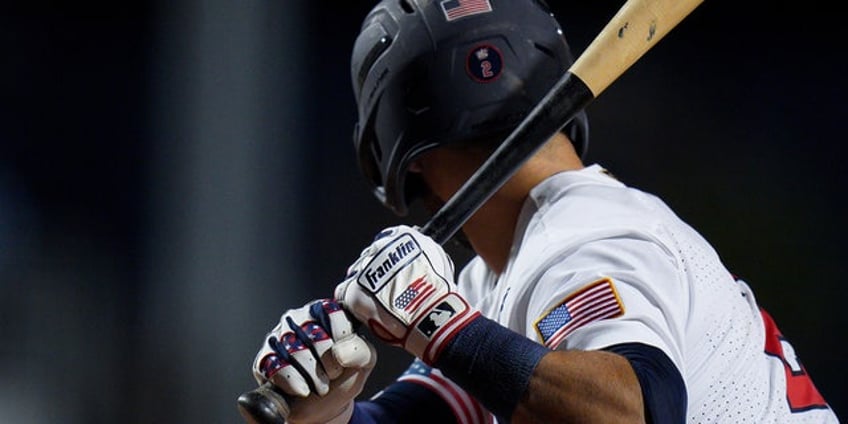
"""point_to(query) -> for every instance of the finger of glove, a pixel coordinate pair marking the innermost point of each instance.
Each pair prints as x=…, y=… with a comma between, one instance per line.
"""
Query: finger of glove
x=333, y=324
x=334, y=319
x=307, y=342
x=354, y=351
x=282, y=373
x=267, y=362
x=343, y=391
x=345, y=294
x=351, y=296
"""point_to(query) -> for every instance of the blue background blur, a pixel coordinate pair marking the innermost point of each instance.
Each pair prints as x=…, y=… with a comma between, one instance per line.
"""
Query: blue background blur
x=176, y=174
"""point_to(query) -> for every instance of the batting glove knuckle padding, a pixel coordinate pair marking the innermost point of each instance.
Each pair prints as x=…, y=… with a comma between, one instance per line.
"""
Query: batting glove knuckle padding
x=317, y=359
x=402, y=287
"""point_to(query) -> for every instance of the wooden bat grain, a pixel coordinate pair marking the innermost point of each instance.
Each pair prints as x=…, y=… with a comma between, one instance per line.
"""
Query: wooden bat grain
x=631, y=32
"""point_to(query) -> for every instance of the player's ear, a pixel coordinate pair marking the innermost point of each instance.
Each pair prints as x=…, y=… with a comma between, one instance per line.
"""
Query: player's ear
x=415, y=166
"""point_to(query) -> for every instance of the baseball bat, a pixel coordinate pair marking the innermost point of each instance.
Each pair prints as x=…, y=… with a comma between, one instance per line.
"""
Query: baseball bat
x=631, y=32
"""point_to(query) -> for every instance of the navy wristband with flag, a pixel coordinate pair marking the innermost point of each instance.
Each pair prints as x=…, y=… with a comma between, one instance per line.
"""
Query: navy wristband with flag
x=492, y=363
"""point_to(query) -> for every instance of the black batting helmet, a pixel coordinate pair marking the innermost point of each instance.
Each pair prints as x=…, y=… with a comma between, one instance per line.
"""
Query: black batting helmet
x=428, y=73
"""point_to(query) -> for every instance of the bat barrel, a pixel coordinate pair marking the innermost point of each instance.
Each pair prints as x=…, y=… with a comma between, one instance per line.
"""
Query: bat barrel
x=636, y=28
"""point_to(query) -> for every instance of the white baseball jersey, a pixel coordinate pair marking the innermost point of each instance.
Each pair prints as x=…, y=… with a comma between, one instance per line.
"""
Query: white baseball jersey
x=595, y=263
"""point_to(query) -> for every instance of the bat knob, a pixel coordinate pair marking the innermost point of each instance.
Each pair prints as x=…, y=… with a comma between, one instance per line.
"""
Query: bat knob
x=263, y=405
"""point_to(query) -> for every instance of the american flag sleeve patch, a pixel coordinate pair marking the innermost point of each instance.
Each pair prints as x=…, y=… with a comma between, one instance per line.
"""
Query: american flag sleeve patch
x=594, y=302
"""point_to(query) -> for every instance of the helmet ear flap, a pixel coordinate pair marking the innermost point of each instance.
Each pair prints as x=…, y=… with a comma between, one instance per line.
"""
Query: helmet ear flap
x=369, y=154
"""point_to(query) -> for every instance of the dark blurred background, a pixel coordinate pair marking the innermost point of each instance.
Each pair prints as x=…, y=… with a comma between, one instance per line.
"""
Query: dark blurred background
x=176, y=174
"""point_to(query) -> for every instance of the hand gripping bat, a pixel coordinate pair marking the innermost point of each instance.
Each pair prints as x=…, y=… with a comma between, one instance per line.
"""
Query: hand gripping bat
x=631, y=32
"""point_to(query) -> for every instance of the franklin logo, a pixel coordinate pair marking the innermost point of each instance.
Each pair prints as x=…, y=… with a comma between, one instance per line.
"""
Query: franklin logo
x=397, y=254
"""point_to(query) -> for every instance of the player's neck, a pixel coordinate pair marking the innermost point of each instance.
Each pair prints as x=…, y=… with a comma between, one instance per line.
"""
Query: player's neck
x=491, y=230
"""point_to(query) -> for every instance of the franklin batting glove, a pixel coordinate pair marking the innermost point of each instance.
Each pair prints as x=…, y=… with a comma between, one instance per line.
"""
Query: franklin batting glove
x=402, y=287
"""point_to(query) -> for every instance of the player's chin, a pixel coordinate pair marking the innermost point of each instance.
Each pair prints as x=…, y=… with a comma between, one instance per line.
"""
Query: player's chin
x=422, y=196
x=430, y=203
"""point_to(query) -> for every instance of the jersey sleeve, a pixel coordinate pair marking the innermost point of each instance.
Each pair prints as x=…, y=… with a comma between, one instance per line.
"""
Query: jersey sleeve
x=608, y=292
x=422, y=395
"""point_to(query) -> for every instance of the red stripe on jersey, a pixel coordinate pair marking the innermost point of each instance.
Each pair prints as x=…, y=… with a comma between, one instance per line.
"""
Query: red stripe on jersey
x=801, y=393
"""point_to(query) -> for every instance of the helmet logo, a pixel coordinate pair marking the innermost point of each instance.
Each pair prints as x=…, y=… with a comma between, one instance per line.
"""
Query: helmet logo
x=484, y=63
x=456, y=9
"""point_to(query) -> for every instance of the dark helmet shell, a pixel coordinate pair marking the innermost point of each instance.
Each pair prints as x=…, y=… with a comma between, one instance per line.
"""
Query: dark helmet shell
x=431, y=73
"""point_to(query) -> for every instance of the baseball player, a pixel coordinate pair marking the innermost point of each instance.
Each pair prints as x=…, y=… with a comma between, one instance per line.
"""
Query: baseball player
x=587, y=301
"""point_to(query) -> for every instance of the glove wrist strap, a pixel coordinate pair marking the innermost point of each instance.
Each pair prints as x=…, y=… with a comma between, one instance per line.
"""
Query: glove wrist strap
x=435, y=328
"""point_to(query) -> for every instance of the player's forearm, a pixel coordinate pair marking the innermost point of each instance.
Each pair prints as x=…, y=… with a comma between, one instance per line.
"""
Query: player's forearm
x=581, y=386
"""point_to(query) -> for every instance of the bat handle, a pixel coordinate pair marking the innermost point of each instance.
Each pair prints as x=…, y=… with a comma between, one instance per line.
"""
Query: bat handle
x=263, y=405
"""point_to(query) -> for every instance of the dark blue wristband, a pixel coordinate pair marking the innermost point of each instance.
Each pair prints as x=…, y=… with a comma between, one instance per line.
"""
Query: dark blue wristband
x=365, y=413
x=492, y=363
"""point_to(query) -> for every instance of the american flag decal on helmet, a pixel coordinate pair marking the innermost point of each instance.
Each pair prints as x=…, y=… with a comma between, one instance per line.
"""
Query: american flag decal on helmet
x=456, y=9
x=597, y=301
x=411, y=298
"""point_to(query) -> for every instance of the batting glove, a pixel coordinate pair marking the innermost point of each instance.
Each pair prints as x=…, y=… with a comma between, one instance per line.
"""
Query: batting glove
x=318, y=360
x=402, y=287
